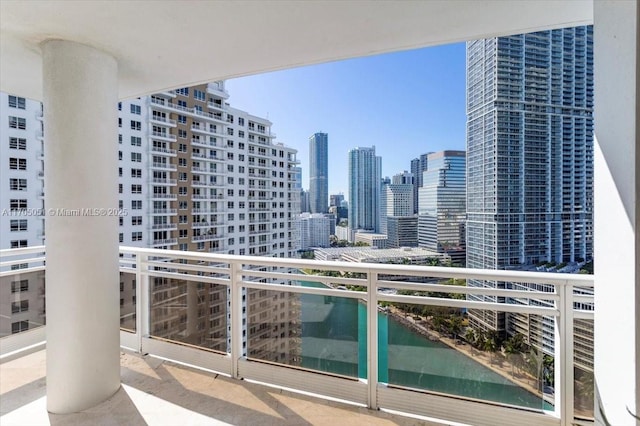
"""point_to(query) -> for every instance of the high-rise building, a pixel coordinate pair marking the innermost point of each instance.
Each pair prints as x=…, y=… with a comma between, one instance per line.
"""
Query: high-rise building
x=336, y=199
x=418, y=166
x=395, y=200
x=402, y=231
x=314, y=229
x=21, y=209
x=194, y=174
x=529, y=159
x=304, y=201
x=442, y=211
x=319, y=173
x=403, y=178
x=364, y=190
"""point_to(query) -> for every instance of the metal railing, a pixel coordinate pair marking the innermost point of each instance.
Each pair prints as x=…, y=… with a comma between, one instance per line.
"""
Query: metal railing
x=166, y=279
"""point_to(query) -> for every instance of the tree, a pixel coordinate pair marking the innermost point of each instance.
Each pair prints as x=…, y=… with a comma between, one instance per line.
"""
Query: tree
x=470, y=336
x=455, y=325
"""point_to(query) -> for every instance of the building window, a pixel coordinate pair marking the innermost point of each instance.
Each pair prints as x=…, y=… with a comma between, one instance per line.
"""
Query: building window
x=182, y=147
x=182, y=176
x=17, y=164
x=17, y=123
x=19, y=306
x=183, y=92
x=136, y=125
x=136, y=189
x=136, y=173
x=183, y=233
x=19, y=326
x=18, y=143
x=182, y=205
x=136, y=141
x=17, y=102
x=136, y=236
x=136, y=204
x=136, y=157
x=18, y=244
x=135, y=109
x=121, y=237
x=136, y=220
x=182, y=134
x=182, y=119
x=240, y=121
x=17, y=204
x=182, y=219
x=199, y=95
x=19, y=286
x=17, y=184
x=183, y=246
x=182, y=162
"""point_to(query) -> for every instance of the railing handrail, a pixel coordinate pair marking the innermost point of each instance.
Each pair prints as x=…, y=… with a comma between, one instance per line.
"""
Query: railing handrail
x=255, y=272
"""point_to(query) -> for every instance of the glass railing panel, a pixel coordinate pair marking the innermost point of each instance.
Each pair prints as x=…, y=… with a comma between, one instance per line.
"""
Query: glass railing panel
x=442, y=349
x=22, y=302
x=128, y=301
x=189, y=312
x=315, y=332
x=583, y=371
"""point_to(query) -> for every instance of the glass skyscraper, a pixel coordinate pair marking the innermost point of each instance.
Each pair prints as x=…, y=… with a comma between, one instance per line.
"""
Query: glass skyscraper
x=365, y=170
x=441, y=211
x=318, y=173
x=529, y=155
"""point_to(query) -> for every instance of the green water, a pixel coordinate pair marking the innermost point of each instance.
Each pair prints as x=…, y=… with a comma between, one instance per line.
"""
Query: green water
x=334, y=340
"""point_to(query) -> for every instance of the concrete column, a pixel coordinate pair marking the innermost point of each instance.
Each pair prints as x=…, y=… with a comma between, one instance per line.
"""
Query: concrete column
x=617, y=212
x=81, y=198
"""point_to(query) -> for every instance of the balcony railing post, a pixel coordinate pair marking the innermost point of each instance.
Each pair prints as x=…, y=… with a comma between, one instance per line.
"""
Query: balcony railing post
x=372, y=339
x=563, y=369
x=236, y=316
x=143, y=305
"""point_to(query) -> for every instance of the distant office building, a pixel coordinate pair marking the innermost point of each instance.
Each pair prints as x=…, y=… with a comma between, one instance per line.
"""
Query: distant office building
x=318, y=173
x=529, y=162
x=336, y=199
x=404, y=178
x=314, y=230
x=304, y=201
x=364, y=190
x=371, y=239
x=402, y=231
x=442, y=204
x=395, y=200
x=418, y=166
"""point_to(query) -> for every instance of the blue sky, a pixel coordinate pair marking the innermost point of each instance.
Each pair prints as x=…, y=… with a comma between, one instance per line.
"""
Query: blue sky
x=404, y=103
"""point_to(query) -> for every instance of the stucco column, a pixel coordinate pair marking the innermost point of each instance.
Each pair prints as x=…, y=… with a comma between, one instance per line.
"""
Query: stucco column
x=81, y=199
x=617, y=212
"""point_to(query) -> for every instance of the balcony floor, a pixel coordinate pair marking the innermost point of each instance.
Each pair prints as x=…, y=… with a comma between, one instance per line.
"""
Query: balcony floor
x=157, y=392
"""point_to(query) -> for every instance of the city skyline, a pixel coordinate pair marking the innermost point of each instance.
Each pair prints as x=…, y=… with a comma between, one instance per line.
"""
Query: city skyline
x=405, y=103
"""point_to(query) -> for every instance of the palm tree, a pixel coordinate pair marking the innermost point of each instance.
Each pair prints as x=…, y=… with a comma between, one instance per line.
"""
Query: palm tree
x=470, y=336
x=455, y=325
x=490, y=346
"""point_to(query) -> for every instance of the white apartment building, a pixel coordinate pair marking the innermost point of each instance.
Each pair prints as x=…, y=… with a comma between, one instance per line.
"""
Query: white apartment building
x=314, y=230
x=194, y=174
x=21, y=209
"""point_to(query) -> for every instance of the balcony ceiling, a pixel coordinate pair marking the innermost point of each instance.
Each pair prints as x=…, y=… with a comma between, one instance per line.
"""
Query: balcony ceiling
x=168, y=44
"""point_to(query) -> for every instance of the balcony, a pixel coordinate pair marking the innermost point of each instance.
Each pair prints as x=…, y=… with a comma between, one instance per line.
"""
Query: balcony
x=164, y=166
x=165, y=242
x=164, y=136
x=164, y=181
x=158, y=119
x=163, y=196
x=163, y=151
x=349, y=365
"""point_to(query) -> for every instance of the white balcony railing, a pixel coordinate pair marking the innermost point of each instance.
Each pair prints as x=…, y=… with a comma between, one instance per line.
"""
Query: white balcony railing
x=252, y=282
